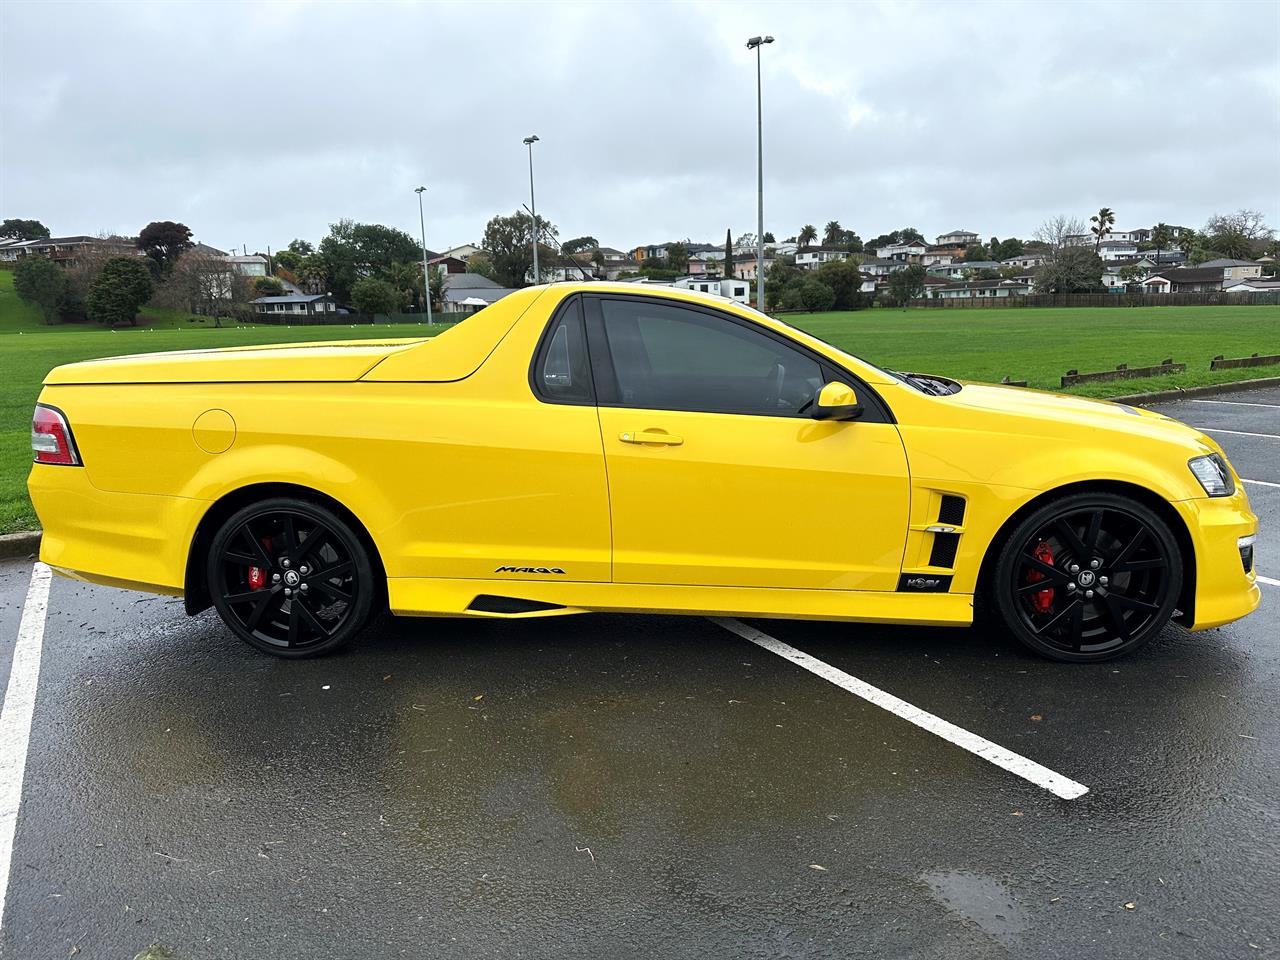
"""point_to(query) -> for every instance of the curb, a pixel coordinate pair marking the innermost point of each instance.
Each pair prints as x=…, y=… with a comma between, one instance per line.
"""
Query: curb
x=20, y=545
x=1184, y=393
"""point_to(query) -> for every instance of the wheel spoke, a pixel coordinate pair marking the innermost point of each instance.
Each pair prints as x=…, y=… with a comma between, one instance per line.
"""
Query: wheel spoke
x=1091, y=535
x=290, y=535
x=1116, y=615
x=256, y=615
x=1153, y=563
x=314, y=539
x=293, y=622
x=1049, y=570
x=336, y=592
x=255, y=545
x=1132, y=602
x=231, y=599
x=1077, y=624
x=1068, y=535
x=244, y=559
x=309, y=617
x=1064, y=613
x=1129, y=547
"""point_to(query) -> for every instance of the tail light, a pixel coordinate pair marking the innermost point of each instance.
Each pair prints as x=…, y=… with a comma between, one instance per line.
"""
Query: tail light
x=51, y=439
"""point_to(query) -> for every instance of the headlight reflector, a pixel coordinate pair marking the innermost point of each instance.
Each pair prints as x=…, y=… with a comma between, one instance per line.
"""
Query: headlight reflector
x=1214, y=475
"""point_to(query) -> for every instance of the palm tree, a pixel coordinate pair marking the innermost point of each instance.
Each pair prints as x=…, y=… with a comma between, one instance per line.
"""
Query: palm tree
x=1161, y=237
x=1187, y=241
x=807, y=235
x=1102, y=222
x=831, y=233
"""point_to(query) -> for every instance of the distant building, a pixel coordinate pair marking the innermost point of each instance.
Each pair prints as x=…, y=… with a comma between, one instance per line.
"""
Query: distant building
x=295, y=305
x=251, y=265
x=956, y=238
x=910, y=251
x=467, y=292
x=1253, y=285
x=732, y=289
x=881, y=266
x=1233, y=270
x=447, y=263
x=981, y=289
x=810, y=258
x=1024, y=261
x=463, y=251
x=68, y=250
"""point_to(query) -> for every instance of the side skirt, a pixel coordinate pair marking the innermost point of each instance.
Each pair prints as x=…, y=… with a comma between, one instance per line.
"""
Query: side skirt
x=432, y=597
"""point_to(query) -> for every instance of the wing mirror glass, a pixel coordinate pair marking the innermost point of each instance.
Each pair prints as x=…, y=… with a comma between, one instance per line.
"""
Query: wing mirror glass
x=836, y=401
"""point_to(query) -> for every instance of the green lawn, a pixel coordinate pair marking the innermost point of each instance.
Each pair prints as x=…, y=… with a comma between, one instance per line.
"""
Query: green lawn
x=1033, y=344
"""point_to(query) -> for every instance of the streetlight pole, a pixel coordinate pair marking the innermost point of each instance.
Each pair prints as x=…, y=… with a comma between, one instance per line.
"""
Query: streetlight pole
x=755, y=43
x=426, y=277
x=533, y=206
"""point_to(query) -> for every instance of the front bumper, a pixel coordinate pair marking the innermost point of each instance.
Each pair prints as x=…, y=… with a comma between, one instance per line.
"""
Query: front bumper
x=132, y=540
x=1224, y=590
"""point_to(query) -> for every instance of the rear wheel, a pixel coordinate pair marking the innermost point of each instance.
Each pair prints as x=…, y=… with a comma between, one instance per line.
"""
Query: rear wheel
x=1089, y=577
x=290, y=578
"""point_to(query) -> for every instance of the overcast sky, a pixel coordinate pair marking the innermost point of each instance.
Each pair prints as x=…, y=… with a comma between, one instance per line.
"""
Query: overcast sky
x=255, y=123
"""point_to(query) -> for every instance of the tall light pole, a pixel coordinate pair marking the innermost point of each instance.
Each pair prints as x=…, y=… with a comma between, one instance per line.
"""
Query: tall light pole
x=533, y=205
x=755, y=43
x=426, y=277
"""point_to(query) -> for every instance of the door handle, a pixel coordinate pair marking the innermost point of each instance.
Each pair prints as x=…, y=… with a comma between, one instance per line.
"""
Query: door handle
x=651, y=436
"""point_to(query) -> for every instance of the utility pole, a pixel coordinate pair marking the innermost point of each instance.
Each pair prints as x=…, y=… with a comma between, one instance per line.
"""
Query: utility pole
x=533, y=206
x=426, y=277
x=755, y=43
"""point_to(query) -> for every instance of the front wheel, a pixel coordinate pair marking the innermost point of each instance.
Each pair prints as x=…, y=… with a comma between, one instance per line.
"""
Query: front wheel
x=290, y=578
x=1087, y=578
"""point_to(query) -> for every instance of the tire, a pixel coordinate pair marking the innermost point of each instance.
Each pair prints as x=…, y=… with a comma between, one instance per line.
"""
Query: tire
x=266, y=571
x=1122, y=592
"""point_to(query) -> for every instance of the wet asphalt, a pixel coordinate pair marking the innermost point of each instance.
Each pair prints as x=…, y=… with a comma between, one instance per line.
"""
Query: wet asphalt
x=645, y=786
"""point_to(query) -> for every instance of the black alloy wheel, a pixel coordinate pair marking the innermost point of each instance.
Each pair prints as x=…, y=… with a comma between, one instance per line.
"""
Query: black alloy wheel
x=290, y=578
x=1088, y=578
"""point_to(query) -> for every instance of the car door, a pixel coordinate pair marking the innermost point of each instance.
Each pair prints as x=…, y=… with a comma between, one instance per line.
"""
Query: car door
x=716, y=474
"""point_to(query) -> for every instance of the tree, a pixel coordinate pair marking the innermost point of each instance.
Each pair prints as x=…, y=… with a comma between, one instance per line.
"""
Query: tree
x=407, y=278
x=41, y=283
x=163, y=241
x=808, y=234
x=746, y=241
x=353, y=251
x=728, y=253
x=508, y=244
x=372, y=296
x=832, y=233
x=906, y=285
x=1056, y=232
x=200, y=283
x=1072, y=269
x=845, y=280
x=781, y=274
x=313, y=274
x=301, y=247
x=119, y=291
x=1161, y=236
x=678, y=257
x=579, y=245
x=1188, y=240
x=14, y=229
x=268, y=287
x=436, y=287
x=975, y=252
x=1007, y=248
x=1237, y=235
x=768, y=237
x=1102, y=222
x=290, y=260
x=807, y=293
x=480, y=263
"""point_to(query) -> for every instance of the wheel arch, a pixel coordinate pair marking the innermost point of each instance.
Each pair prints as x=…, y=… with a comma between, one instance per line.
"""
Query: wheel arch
x=195, y=590
x=1144, y=495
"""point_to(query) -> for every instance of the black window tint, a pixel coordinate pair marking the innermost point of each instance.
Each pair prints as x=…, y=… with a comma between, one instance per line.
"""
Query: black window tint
x=563, y=369
x=672, y=358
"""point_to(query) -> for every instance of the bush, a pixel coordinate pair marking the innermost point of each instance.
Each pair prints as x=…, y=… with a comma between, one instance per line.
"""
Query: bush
x=375, y=296
x=807, y=293
x=119, y=291
x=845, y=280
x=41, y=283
x=268, y=287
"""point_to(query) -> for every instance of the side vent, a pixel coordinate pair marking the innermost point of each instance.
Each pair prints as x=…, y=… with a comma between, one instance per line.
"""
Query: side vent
x=489, y=603
x=952, y=511
x=944, y=549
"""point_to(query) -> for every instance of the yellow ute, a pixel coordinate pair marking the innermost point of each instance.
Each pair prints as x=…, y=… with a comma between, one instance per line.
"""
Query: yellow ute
x=613, y=447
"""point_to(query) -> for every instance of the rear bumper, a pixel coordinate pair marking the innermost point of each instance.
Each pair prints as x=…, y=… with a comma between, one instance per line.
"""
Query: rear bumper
x=1224, y=591
x=132, y=540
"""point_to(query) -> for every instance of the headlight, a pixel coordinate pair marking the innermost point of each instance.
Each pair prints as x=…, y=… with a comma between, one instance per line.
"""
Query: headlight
x=1214, y=475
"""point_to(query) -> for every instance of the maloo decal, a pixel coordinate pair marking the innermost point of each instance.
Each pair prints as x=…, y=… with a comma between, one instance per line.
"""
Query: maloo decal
x=529, y=570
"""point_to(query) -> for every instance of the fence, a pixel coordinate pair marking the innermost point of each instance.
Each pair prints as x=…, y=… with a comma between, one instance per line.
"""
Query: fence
x=1213, y=298
x=347, y=319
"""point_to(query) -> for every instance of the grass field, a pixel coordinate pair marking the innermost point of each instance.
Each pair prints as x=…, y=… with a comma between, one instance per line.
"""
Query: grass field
x=1035, y=344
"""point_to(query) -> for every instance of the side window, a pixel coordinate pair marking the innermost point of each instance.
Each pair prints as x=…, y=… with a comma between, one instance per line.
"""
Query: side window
x=666, y=357
x=562, y=370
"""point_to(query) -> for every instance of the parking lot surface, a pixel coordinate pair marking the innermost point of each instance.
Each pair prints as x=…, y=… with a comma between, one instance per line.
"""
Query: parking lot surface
x=646, y=786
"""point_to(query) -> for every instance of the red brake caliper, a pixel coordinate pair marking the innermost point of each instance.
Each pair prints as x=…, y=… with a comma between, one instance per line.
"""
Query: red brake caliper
x=1043, y=600
x=258, y=576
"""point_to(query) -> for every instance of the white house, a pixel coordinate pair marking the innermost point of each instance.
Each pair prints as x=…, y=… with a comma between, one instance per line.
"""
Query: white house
x=810, y=258
x=956, y=238
x=1024, y=261
x=1115, y=249
x=252, y=265
x=295, y=305
x=462, y=251
x=932, y=257
x=881, y=267
x=733, y=289
x=1253, y=285
x=902, y=251
x=985, y=289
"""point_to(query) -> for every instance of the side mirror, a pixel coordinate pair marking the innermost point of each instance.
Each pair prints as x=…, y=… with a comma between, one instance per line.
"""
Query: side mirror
x=836, y=401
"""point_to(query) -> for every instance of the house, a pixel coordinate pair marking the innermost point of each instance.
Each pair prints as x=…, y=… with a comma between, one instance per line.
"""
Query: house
x=611, y=255
x=250, y=265
x=68, y=250
x=1233, y=270
x=295, y=305
x=1184, y=280
x=940, y=256
x=732, y=289
x=1253, y=285
x=697, y=264
x=614, y=269
x=1115, y=249
x=958, y=271
x=1024, y=261
x=956, y=238
x=465, y=292
x=745, y=266
x=810, y=258
x=910, y=251
x=881, y=266
x=447, y=263
x=985, y=289
x=787, y=248
x=463, y=251
x=1089, y=239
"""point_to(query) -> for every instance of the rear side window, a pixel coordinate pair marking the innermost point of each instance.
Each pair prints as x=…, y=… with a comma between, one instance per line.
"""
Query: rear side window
x=674, y=358
x=562, y=370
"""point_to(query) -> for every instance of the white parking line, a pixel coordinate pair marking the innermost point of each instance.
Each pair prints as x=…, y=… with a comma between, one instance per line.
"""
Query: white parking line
x=15, y=719
x=1237, y=433
x=1260, y=483
x=1262, y=579
x=1055, y=783
x=1241, y=403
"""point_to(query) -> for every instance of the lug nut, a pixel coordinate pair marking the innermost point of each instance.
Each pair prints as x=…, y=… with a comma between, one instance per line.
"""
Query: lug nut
x=303, y=570
x=288, y=592
x=1074, y=568
x=1103, y=580
x=285, y=563
x=1089, y=594
x=303, y=588
x=1095, y=563
x=275, y=578
x=1071, y=588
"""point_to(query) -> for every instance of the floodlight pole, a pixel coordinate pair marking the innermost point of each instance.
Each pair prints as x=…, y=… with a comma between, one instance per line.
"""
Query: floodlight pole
x=755, y=43
x=533, y=206
x=426, y=277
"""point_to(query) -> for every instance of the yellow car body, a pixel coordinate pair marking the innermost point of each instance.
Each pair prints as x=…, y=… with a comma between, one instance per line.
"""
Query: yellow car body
x=469, y=484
